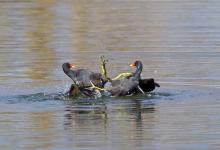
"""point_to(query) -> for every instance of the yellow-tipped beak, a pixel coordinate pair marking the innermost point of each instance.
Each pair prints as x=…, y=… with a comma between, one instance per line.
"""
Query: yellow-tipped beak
x=72, y=66
x=132, y=65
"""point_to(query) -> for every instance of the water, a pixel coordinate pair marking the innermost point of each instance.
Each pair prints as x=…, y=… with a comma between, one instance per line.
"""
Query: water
x=177, y=41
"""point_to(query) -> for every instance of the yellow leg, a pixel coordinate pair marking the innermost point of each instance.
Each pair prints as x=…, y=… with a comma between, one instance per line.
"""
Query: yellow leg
x=121, y=75
x=103, y=66
x=98, y=88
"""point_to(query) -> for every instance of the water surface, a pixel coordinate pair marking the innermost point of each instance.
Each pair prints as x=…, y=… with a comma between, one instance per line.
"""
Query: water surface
x=177, y=41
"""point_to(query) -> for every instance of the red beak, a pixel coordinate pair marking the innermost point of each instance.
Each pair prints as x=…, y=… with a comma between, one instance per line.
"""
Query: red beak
x=72, y=66
x=132, y=65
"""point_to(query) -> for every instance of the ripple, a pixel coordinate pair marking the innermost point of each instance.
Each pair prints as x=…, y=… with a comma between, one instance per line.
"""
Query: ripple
x=42, y=97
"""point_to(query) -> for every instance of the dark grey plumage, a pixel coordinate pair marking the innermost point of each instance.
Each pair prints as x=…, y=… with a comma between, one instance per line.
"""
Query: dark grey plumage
x=82, y=77
x=126, y=85
x=148, y=85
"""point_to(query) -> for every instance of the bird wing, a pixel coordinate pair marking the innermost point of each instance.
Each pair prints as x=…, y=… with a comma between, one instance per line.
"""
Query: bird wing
x=121, y=87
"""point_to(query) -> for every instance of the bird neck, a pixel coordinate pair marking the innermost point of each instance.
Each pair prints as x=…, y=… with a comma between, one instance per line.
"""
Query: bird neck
x=68, y=71
x=137, y=73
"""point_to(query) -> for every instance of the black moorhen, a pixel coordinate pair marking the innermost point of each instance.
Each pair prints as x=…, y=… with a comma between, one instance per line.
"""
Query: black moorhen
x=126, y=85
x=83, y=77
x=82, y=92
x=148, y=85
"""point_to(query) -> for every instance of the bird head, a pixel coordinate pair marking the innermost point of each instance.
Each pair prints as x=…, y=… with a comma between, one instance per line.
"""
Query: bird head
x=136, y=63
x=70, y=66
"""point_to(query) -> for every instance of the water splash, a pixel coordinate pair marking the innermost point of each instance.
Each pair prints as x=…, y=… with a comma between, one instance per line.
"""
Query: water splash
x=58, y=94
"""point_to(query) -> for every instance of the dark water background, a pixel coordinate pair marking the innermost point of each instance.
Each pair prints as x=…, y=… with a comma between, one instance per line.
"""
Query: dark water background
x=177, y=41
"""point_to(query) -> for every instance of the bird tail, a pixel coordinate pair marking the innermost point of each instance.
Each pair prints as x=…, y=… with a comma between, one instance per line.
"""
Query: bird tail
x=156, y=84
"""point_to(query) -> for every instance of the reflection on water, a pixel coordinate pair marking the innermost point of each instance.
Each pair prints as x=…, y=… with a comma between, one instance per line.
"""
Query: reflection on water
x=38, y=40
x=108, y=120
x=177, y=41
